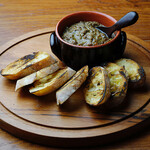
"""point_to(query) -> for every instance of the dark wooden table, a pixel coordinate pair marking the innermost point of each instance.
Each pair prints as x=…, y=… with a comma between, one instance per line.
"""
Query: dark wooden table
x=19, y=17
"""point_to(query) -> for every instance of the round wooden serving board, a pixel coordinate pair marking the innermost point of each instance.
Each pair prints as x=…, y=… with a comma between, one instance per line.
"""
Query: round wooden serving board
x=40, y=120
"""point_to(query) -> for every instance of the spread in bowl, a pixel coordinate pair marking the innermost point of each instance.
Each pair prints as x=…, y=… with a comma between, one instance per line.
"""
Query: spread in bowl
x=84, y=33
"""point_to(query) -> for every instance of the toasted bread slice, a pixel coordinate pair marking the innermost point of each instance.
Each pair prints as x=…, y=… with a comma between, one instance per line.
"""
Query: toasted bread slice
x=37, y=75
x=27, y=65
x=97, y=90
x=118, y=83
x=135, y=72
x=72, y=85
x=51, y=82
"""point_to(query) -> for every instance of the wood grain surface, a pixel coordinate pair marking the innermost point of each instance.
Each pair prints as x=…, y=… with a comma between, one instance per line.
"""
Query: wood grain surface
x=19, y=17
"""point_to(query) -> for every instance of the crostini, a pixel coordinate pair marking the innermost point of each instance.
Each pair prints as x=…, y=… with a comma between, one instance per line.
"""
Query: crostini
x=118, y=83
x=36, y=76
x=51, y=82
x=135, y=72
x=72, y=85
x=27, y=65
x=97, y=89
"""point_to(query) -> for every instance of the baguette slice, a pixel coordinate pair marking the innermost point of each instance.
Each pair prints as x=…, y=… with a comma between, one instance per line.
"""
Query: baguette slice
x=36, y=75
x=72, y=85
x=97, y=90
x=135, y=72
x=51, y=82
x=27, y=65
x=118, y=84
